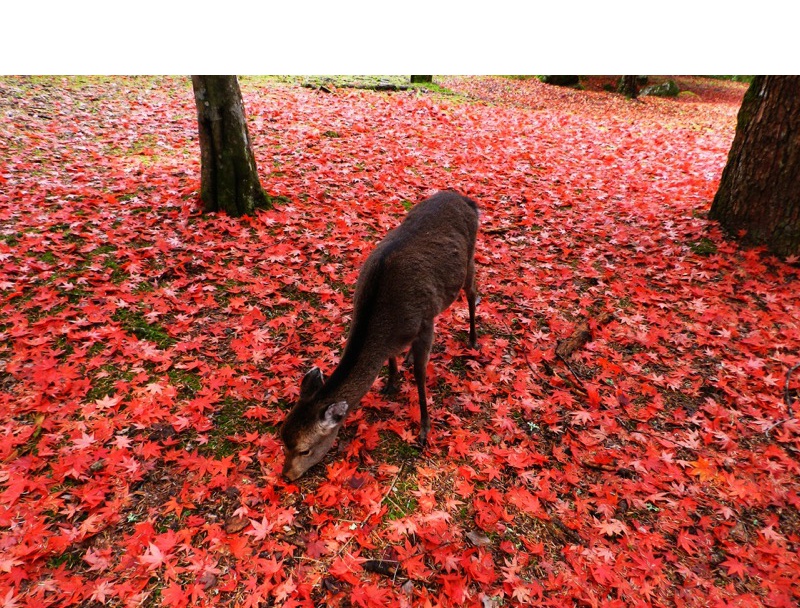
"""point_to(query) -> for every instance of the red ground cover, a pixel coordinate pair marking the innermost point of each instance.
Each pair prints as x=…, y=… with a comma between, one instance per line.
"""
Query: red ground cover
x=148, y=354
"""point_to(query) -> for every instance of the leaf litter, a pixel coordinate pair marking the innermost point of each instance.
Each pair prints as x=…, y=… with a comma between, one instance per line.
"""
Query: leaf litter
x=149, y=353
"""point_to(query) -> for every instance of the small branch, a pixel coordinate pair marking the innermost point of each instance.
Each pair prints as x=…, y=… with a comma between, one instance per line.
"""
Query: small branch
x=599, y=467
x=788, y=398
x=372, y=565
x=514, y=340
x=498, y=230
x=569, y=533
x=786, y=394
x=376, y=509
x=386, y=567
x=575, y=375
x=285, y=345
x=580, y=336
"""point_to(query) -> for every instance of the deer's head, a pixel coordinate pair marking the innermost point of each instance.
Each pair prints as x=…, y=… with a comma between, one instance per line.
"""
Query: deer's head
x=310, y=427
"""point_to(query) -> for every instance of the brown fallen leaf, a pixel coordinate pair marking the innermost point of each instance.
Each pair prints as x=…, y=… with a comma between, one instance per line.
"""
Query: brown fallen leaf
x=479, y=539
x=236, y=524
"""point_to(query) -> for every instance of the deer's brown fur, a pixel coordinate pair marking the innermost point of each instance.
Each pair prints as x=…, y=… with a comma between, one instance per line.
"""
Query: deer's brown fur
x=413, y=275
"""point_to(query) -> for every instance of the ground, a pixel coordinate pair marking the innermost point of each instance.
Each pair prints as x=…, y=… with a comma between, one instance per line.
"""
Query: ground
x=148, y=355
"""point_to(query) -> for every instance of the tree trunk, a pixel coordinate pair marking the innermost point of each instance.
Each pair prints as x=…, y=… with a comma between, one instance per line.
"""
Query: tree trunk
x=421, y=79
x=759, y=193
x=562, y=80
x=628, y=86
x=228, y=174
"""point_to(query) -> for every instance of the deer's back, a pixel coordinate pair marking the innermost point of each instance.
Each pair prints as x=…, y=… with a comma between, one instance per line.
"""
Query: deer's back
x=417, y=270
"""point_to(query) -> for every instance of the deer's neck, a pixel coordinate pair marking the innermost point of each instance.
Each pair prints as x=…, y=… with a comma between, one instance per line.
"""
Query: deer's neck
x=352, y=384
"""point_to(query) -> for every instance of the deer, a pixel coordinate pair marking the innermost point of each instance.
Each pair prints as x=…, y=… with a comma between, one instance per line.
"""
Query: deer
x=411, y=277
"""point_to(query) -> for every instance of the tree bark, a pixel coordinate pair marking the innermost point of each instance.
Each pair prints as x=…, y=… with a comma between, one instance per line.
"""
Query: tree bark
x=562, y=81
x=228, y=174
x=628, y=86
x=759, y=194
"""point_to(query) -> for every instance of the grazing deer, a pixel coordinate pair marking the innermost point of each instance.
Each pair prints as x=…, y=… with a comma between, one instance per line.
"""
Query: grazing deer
x=413, y=275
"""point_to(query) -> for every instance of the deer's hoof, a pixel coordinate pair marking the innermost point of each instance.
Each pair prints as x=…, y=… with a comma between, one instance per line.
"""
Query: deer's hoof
x=390, y=390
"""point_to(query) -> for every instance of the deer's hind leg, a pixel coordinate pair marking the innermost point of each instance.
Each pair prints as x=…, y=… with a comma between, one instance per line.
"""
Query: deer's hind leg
x=421, y=350
x=471, y=291
x=392, y=380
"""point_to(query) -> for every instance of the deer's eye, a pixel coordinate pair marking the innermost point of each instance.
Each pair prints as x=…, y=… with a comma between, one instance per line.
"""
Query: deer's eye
x=305, y=452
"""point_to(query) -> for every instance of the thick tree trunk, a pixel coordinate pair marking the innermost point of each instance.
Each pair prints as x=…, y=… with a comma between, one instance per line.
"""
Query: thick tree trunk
x=421, y=79
x=562, y=80
x=228, y=174
x=628, y=86
x=759, y=193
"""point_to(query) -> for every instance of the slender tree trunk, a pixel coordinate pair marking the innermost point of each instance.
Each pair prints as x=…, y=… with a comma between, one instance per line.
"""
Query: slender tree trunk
x=627, y=86
x=759, y=193
x=228, y=174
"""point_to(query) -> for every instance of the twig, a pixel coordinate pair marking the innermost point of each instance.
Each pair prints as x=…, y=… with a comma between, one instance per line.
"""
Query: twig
x=513, y=338
x=498, y=230
x=386, y=567
x=580, y=336
x=786, y=394
x=571, y=535
x=285, y=345
x=788, y=398
x=374, y=510
x=569, y=367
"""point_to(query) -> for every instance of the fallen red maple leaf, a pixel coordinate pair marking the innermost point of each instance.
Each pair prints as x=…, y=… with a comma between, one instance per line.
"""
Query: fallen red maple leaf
x=149, y=353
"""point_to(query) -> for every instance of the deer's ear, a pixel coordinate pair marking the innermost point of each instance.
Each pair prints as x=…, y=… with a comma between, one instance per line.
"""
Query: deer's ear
x=311, y=383
x=333, y=415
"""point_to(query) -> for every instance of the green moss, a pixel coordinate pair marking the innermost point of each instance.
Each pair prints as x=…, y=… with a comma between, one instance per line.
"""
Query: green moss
x=11, y=240
x=185, y=381
x=146, y=140
x=70, y=559
x=135, y=323
x=63, y=344
x=168, y=522
x=432, y=87
x=76, y=296
x=373, y=81
x=703, y=247
x=747, y=79
x=101, y=250
x=400, y=502
x=104, y=385
x=71, y=237
x=229, y=421
x=396, y=450
x=95, y=348
x=118, y=276
x=269, y=201
x=291, y=292
x=143, y=287
x=48, y=257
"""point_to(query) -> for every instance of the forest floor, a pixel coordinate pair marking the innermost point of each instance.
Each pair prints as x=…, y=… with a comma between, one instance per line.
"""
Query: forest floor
x=148, y=355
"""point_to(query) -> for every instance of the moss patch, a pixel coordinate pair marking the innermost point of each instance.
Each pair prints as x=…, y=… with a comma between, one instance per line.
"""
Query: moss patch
x=704, y=247
x=135, y=323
